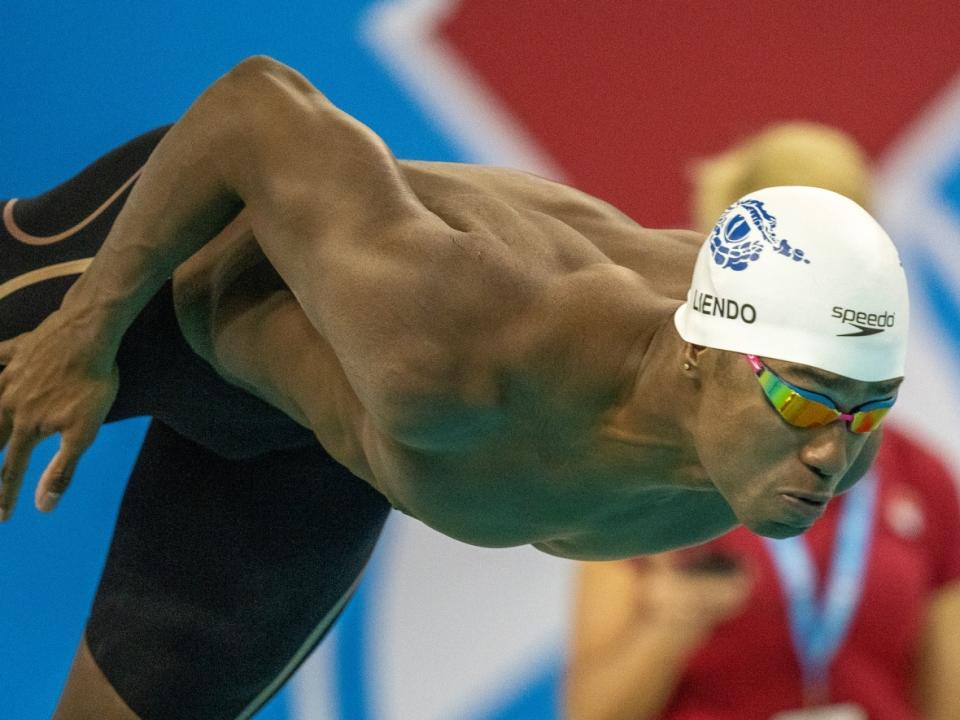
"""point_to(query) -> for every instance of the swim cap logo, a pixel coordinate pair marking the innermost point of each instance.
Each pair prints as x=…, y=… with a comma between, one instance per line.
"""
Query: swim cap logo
x=734, y=246
x=866, y=323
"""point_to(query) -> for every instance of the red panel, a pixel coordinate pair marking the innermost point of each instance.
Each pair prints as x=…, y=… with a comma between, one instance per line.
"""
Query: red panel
x=624, y=94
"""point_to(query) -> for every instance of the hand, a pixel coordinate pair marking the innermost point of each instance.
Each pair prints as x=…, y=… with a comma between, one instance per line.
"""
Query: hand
x=59, y=378
x=691, y=602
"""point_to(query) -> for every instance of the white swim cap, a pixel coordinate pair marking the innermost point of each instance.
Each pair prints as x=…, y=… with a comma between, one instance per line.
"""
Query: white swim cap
x=804, y=275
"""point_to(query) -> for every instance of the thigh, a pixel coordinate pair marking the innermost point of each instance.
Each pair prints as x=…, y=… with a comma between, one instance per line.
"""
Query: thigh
x=87, y=694
x=222, y=574
x=46, y=241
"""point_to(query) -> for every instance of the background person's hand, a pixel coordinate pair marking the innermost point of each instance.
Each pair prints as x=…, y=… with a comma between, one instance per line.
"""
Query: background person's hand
x=682, y=593
x=58, y=378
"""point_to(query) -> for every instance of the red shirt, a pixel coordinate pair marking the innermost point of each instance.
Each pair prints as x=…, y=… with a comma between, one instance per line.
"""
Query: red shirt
x=915, y=550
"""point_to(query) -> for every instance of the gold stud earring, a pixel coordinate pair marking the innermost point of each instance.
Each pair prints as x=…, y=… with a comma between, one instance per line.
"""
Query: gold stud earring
x=687, y=366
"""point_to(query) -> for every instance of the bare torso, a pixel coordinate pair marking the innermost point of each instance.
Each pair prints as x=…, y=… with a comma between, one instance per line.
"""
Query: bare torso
x=547, y=470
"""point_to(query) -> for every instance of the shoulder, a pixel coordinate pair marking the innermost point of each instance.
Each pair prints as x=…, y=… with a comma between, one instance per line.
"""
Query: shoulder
x=572, y=225
x=524, y=194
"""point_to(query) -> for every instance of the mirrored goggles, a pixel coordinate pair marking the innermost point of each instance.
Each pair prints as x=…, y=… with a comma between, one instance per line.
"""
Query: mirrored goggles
x=807, y=409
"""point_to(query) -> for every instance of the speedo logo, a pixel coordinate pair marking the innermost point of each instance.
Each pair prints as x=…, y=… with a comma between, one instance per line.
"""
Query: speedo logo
x=866, y=323
x=724, y=307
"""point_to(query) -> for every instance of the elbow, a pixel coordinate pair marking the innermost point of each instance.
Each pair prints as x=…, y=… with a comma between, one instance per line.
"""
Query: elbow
x=254, y=116
x=237, y=108
x=258, y=94
x=254, y=64
x=245, y=82
x=255, y=68
x=261, y=74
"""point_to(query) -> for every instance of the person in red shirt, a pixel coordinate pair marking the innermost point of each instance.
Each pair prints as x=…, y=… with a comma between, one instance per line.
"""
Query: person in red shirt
x=857, y=619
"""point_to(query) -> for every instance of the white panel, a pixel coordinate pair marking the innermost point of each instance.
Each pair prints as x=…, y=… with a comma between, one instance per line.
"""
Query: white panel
x=916, y=219
x=456, y=625
x=401, y=33
x=313, y=691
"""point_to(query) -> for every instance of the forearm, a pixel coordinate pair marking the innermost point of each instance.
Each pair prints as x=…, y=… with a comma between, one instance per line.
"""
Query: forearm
x=633, y=680
x=178, y=203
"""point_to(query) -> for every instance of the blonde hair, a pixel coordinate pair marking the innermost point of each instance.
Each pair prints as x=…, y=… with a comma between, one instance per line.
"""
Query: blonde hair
x=789, y=153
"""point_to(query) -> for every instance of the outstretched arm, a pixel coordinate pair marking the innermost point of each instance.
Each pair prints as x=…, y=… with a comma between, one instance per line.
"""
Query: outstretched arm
x=333, y=214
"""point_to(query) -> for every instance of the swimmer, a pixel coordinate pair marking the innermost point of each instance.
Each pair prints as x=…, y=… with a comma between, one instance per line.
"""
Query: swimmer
x=502, y=357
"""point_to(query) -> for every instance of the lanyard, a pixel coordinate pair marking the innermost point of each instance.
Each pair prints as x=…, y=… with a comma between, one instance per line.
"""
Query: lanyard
x=819, y=628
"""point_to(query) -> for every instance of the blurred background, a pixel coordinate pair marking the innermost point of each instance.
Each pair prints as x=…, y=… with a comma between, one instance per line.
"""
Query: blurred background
x=618, y=98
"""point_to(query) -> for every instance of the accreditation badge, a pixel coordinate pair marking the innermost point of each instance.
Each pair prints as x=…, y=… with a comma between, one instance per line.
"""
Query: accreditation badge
x=844, y=711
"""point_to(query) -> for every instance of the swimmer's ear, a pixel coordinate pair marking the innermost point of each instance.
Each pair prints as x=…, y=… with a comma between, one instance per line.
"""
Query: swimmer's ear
x=691, y=355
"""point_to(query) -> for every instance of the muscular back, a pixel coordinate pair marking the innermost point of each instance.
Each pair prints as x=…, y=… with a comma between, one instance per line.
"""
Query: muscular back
x=594, y=286
x=578, y=228
x=552, y=227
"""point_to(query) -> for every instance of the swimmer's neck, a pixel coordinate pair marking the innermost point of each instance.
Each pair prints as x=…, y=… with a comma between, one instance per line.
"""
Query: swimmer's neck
x=656, y=417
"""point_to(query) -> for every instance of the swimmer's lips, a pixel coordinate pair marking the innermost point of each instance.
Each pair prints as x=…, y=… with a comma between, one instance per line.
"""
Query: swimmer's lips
x=802, y=509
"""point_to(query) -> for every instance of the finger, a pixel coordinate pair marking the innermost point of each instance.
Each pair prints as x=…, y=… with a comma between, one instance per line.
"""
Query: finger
x=14, y=467
x=6, y=427
x=57, y=476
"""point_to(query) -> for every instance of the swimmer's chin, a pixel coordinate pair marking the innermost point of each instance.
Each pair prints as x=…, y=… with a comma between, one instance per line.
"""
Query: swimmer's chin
x=552, y=549
x=775, y=530
x=558, y=549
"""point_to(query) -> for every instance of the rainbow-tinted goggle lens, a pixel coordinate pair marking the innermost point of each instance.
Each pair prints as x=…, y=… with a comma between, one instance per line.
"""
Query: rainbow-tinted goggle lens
x=807, y=409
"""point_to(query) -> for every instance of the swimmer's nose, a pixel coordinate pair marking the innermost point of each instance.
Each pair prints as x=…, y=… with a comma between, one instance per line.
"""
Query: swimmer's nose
x=826, y=450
